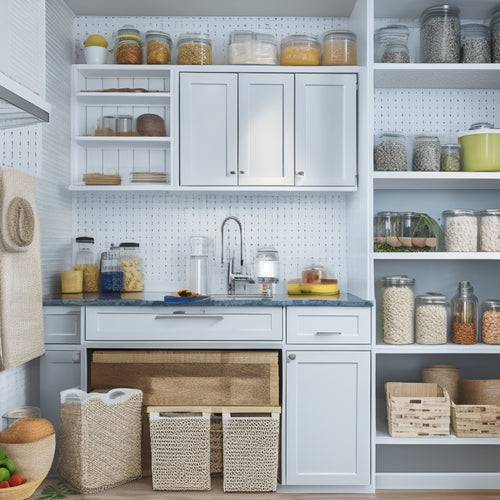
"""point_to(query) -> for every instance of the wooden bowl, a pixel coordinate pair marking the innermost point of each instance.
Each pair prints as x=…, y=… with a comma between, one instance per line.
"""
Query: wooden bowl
x=151, y=125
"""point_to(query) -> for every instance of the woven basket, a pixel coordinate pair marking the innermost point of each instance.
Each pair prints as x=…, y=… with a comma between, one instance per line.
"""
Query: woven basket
x=446, y=376
x=151, y=125
x=100, y=440
x=417, y=409
x=216, y=444
x=250, y=452
x=180, y=451
x=484, y=392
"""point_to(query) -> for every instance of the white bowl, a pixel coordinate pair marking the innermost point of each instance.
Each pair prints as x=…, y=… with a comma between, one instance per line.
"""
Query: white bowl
x=95, y=55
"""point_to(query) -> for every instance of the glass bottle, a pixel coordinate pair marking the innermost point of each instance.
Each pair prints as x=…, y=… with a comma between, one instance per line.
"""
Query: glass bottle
x=431, y=319
x=131, y=264
x=464, y=315
x=85, y=261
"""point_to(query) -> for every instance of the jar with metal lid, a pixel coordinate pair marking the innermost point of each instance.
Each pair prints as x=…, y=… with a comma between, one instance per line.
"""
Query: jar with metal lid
x=490, y=322
x=495, y=36
x=85, y=261
x=389, y=227
x=158, y=47
x=464, y=315
x=440, y=34
x=396, y=53
x=450, y=158
x=489, y=230
x=131, y=264
x=247, y=47
x=426, y=154
x=475, y=43
x=431, y=319
x=390, y=152
x=393, y=33
x=128, y=46
x=194, y=48
x=339, y=48
x=398, y=308
x=300, y=50
x=460, y=228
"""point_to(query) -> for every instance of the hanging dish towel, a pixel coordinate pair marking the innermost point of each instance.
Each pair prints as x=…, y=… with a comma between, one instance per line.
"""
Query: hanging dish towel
x=21, y=308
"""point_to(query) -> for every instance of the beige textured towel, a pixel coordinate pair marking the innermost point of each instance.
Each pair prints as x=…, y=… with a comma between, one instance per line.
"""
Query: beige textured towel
x=21, y=308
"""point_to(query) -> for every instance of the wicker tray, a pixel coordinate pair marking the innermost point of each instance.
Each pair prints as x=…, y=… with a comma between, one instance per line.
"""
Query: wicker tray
x=417, y=409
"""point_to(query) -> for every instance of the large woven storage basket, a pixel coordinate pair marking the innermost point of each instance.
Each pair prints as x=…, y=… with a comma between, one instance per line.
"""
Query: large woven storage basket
x=250, y=452
x=180, y=451
x=100, y=439
x=417, y=409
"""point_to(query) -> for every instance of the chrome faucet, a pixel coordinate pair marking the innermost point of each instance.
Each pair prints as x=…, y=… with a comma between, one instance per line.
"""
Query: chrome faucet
x=232, y=275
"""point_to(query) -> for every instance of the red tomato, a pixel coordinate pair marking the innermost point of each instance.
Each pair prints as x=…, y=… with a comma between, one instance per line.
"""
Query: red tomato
x=4, y=484
x=15, y=480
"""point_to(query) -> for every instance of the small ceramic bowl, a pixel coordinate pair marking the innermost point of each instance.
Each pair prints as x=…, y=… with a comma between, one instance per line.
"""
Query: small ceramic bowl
x=95, y=55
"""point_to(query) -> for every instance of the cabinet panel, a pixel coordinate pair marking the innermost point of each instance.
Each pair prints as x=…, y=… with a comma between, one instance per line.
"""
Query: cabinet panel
x=62, y=325
x=328, y=418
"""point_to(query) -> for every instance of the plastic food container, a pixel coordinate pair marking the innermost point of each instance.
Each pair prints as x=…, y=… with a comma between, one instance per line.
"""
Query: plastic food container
x=339, y=48
x=128, y=46
x=247, y=47
x=158, y=47
x=480, y=148
x=300, y=50
x=194, y=48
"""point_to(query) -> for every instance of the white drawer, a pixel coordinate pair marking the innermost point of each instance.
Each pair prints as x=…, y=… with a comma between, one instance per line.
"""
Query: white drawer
x=328, y=325
x=62, y=325
x=192, y=323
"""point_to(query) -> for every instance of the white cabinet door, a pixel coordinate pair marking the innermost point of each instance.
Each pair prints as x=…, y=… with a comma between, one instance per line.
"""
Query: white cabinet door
x=208, y=148
x=327, y=418
x=325, y=130
x=266, y=129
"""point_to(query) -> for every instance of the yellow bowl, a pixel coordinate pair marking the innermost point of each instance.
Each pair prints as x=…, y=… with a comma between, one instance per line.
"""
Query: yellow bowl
x=312, y=288
x=480, y=150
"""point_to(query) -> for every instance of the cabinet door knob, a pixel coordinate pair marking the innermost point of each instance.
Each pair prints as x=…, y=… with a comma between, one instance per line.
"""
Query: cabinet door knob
x=300, y=173
x=292, y=356
x=76, y=358
x=233, y=172
x=242, y=171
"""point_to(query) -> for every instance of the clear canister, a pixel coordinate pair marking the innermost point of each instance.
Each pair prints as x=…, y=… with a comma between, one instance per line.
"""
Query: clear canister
x=464, y=315
x=431, y=319
x=475, y=43
x=111, y=271
x=489, y=230
x=490, y=322
x=426, y=154
x=158, y=47
x=393, y=33
x=388, y=229
x=194, y=48
x=451, y=158
x=396, y=53
x=440, y=34
x=460, y=228
x=128, y=46
x=408, y=228
x=339, y=48
x=495, y=36
x=124, y=124
x=300, y=50
x=390, y=152
x=85, y=261
x=131, y=264
x=398, y=308
x=247, y=47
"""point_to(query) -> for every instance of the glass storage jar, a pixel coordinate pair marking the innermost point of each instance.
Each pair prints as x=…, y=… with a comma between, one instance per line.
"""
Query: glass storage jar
x=396, y=53
x=390, y=152
x=339, y=48
x=440, y=34
x=85, y=261
x=111, y=271
x=489, y=230
x=128, y=46
x=194, y=48
x=450, y=158
x=300, y=50
x=393, y=33
x=475, y=43
x=131, y=264
x=426, y=154
x=247, y=47
x=495, y=36
x=431, y=319
x=490, y=322
x=389, y=228
x=398, y=307
x=408, y=226
x=460, y=228
x=158, y=47
x=464, y=315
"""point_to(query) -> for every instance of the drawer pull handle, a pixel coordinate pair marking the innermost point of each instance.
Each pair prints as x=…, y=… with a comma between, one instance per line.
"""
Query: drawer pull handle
x=189, y=316
x=328, y=333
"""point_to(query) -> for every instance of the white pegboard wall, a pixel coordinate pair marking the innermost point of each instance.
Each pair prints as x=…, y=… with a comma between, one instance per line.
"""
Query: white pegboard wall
x=303, y=227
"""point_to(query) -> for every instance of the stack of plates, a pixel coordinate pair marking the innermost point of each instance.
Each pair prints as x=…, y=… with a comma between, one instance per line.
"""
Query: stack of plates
x=101, y=179
x=149, y=177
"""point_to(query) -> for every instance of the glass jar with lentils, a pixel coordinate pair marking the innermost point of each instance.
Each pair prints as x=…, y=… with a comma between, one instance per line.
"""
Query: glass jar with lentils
x=464, y=315
x=390, y=152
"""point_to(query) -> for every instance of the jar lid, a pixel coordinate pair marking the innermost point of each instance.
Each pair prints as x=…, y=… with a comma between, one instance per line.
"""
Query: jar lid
x=398, y=280
x=491, y=304
x=128, y=32
x=432, y=298
x=397, y=135
x=475, y=30
x=426, y=137
x=158, y=34
x=247, y=35
x=490, y=211
x=451, y=146
x=336, y=34
x=84, y=239
x=301, y=39
x=392, y=29
x=439, y=10
x=388, y=214
x=194, y=38
x=480, y=125
x=460, y=211
x=129, y=244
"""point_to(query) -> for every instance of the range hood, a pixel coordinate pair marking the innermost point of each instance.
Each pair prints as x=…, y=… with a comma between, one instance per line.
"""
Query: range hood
x=20, y=106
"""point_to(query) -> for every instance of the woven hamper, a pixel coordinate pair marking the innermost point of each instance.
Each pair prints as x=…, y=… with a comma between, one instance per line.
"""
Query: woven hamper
x=216, y=444
x=100, y=439
x=250, y=452
x=180, y=451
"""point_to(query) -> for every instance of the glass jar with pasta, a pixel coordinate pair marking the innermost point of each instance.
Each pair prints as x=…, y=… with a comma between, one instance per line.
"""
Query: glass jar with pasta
x=85, y=261
x=128, y=46
x=300, y=50
x=158, y=47
x=131, y=263
x=194, y=48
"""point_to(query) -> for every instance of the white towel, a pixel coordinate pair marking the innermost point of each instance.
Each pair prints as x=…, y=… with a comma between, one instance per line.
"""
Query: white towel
x=21, y=306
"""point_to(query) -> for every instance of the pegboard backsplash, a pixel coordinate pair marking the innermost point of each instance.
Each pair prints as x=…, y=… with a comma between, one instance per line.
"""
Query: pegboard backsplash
x=303, y=227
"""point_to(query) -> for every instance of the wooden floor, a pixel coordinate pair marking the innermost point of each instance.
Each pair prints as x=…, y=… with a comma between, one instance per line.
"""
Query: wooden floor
x=142, y=490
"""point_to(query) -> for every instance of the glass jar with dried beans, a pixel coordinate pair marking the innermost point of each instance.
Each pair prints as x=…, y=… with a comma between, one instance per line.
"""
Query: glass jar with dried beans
x=464, y=315
x=431, y=319
x=396, y=53
x=475, y=43
x=495, y=36
x=490, y=322
x=489, y=230
x=391, y=34
x=390, y=152
x=426, y=154
x=460, y=228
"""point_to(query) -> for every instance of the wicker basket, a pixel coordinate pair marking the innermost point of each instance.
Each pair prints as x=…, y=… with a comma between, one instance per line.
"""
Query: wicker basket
x=250, y=452
x=151, y=125
x=417, y=409
x=216, y=444
x=180, y=451
x=446, y=376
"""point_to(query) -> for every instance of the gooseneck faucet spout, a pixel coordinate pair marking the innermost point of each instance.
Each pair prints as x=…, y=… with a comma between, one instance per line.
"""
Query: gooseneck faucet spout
x=232, y=217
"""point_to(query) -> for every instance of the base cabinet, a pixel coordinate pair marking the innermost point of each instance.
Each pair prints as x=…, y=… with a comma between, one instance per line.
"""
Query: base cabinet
x=327, y=417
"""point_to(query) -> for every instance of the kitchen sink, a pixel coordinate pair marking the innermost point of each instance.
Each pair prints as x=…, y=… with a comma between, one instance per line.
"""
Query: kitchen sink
x=241, y=296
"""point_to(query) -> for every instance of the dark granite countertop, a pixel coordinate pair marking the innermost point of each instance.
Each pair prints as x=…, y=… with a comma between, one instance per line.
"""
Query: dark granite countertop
x=157, y=299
